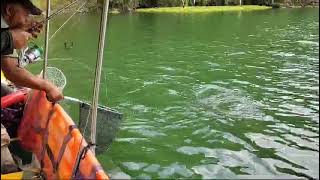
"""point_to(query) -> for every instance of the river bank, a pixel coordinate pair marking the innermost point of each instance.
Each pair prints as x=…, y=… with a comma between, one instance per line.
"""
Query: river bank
x=196, y=9
x=93, y=8
x=203, y=9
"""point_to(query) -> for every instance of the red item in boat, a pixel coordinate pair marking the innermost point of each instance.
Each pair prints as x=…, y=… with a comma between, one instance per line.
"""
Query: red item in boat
x=13, y=98
x=48, y=131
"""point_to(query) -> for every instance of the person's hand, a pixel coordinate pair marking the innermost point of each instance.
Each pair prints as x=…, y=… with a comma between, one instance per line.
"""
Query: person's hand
x=20, y=38
x=35, y=28
x=54, y=94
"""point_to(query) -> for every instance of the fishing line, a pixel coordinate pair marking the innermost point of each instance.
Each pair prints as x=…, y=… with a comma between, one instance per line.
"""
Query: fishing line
x=67, y=21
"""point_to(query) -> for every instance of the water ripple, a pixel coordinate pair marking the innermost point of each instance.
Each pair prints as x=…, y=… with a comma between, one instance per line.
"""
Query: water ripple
x=238, y=102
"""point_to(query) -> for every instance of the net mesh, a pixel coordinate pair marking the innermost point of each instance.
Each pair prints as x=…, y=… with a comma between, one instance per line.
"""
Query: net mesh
x=108, y=120
x=108, y=123
x=56, y=76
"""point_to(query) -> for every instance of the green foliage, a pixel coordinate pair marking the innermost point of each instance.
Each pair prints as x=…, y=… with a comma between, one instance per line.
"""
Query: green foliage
x=132, y=5
x=202, y=9
x=136, y=4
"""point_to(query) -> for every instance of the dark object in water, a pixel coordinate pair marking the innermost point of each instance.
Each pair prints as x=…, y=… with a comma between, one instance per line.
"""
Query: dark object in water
x=68, y=45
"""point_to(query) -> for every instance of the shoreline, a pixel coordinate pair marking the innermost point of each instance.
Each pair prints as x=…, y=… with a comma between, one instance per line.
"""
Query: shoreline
x=192, y=9
x=203, y=9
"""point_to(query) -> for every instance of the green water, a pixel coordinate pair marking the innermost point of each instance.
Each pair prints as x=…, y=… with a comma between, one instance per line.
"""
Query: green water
x=222, y=95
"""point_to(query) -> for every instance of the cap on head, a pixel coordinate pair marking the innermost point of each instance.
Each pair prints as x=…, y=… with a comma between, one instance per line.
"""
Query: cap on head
x=26, y=3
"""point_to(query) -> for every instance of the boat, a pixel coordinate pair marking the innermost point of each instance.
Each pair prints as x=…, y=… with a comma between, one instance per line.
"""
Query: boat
x=45, y=141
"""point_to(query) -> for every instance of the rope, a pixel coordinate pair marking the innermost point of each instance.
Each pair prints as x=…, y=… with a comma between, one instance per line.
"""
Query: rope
x=80, y=154
x=79, y=158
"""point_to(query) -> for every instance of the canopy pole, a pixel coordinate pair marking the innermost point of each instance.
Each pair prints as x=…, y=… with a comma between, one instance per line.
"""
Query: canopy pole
x=95, y=99
x=46, y=45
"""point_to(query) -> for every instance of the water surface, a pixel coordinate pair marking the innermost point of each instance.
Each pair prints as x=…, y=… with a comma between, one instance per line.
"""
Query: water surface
x=222, y=95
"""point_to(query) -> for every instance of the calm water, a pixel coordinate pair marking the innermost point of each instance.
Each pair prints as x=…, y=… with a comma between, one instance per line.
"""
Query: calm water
x=231, y=95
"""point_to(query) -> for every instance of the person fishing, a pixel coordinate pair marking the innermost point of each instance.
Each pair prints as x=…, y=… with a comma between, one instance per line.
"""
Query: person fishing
x=16, y=30
x=15, y=15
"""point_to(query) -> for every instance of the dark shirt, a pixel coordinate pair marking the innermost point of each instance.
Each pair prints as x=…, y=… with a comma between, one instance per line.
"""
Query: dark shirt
x=6, y=42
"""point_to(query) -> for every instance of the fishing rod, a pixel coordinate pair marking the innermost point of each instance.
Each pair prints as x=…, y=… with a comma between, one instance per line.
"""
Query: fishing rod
x=59, y=11
x=32, y=54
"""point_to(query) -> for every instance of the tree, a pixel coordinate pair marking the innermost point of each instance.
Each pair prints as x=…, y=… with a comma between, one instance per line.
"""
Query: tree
x=184, y=3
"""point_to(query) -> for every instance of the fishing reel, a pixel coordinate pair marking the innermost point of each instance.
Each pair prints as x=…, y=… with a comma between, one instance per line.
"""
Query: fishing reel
x=31, y=54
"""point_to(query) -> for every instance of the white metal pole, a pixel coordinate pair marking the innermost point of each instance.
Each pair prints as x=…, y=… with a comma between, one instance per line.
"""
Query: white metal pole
x=95, y=99
x=46, y=45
